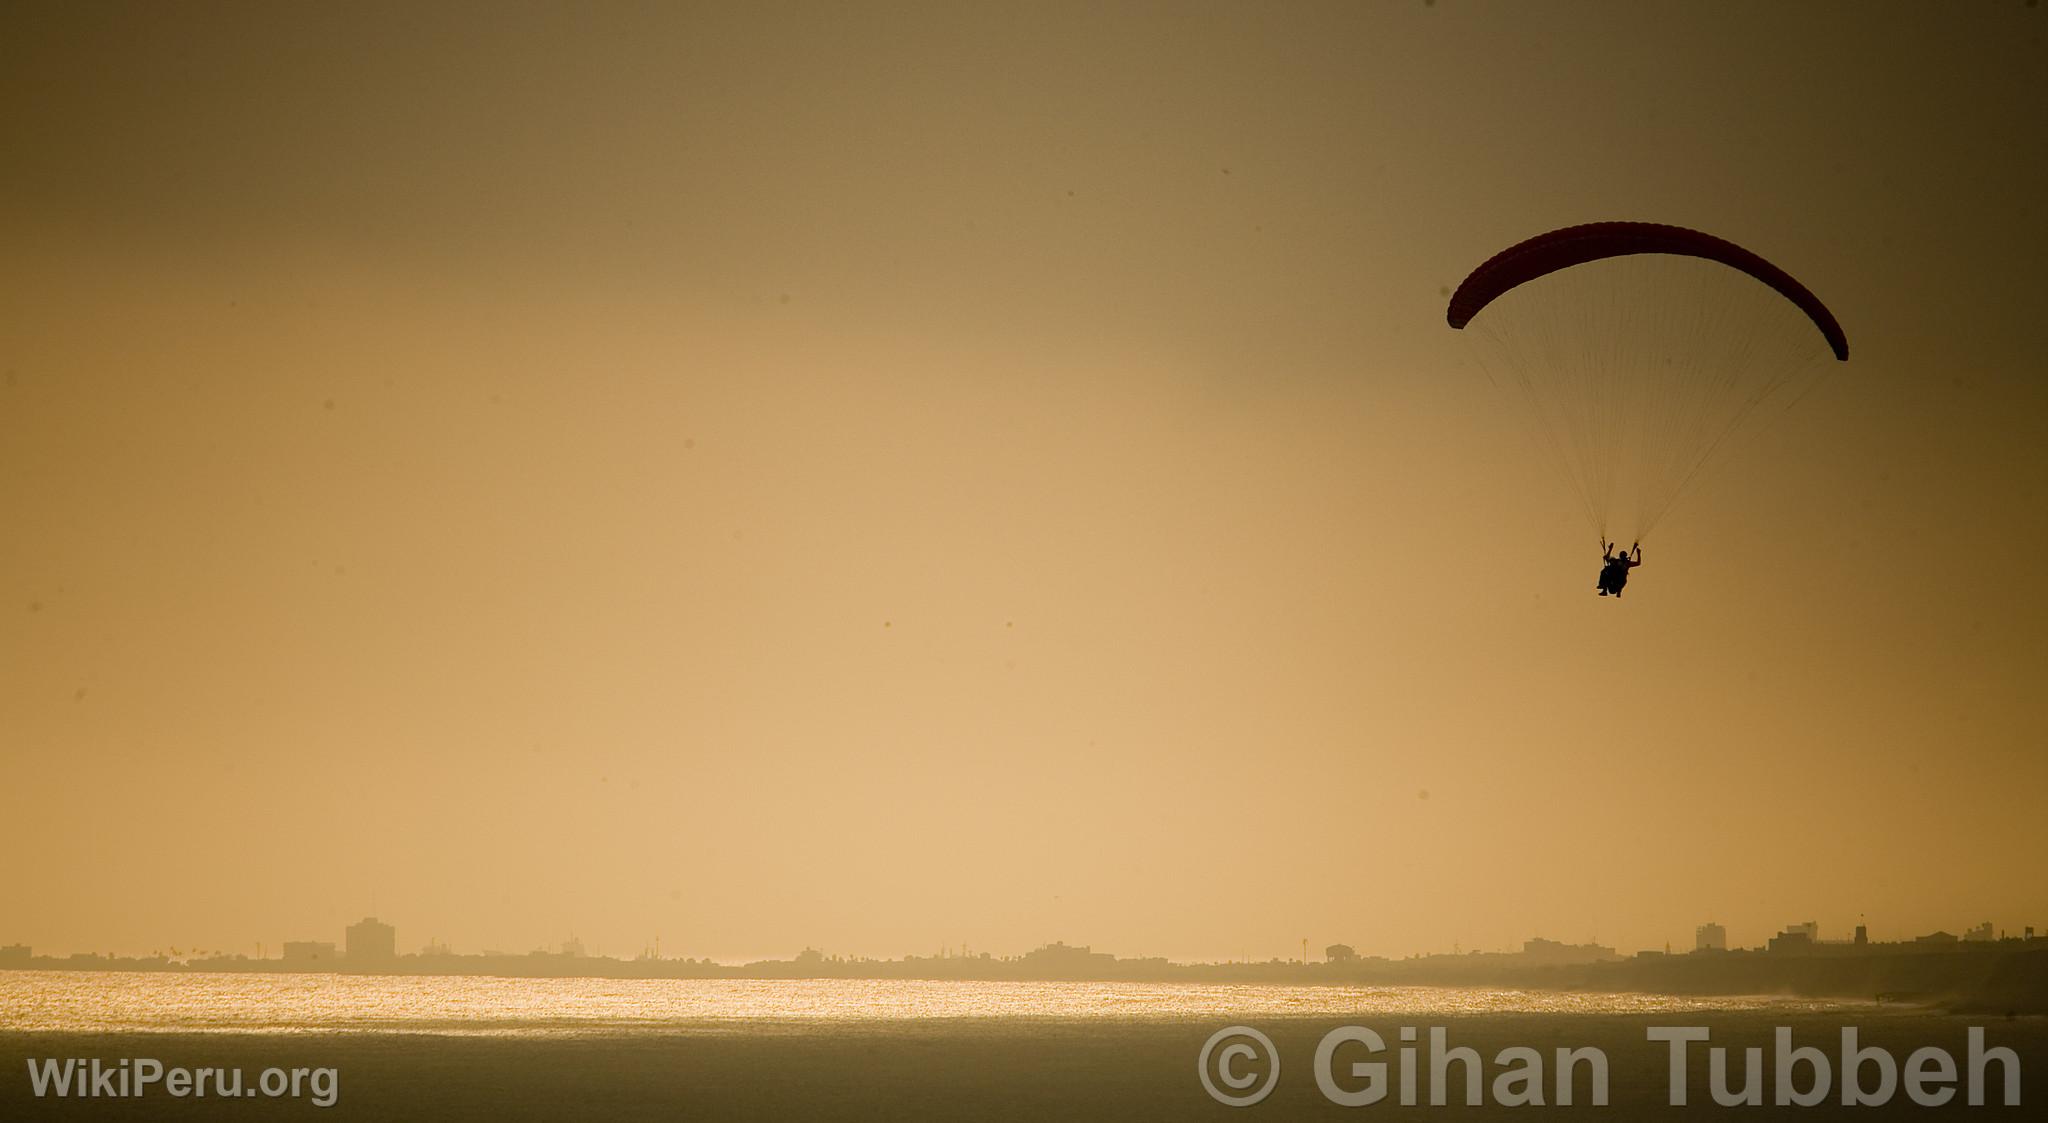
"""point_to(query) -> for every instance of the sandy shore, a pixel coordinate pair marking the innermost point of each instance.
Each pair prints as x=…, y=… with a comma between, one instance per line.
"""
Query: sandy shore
x=984, y=1069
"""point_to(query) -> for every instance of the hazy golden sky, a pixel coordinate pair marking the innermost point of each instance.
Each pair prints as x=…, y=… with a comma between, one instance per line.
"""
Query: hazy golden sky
x=887, y=476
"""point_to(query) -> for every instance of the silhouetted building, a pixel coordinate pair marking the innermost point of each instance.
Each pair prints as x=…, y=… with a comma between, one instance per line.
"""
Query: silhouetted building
x=1060, y=958
x=1936, y=938
x=1540, y=950
x=15, y=955
x=1340, y=953
x=309, y=951
x=1980, y=934
x=372, y=941
x=1862, y=936
x=1809, y=929
x=1797, y=938
x=1710, y=937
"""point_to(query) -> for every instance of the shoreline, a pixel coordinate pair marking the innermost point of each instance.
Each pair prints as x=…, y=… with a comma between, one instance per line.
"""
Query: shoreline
x=1992, y=979
x=982, y=1068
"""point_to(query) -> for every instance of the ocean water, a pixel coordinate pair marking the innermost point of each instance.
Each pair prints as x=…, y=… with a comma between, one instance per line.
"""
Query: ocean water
x=499, y=1050
x=150, y=1002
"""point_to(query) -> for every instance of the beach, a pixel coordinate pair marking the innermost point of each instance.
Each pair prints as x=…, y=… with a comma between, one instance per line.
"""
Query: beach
x=945, y=1068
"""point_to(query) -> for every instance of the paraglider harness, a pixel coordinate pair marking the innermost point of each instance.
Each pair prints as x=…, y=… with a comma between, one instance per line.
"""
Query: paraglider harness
x=1614, y=573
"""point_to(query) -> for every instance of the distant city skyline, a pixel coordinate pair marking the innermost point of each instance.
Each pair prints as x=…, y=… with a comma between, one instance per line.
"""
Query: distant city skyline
x=372, y=941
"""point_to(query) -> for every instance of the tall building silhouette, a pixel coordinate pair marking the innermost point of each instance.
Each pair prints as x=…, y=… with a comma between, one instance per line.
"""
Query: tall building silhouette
x=371, y=941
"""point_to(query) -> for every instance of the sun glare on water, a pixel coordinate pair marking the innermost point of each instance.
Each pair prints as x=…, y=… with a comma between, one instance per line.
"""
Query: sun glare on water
x=145, y=1003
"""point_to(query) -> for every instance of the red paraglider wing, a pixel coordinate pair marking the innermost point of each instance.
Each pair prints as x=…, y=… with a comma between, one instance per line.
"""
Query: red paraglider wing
x=1576, y=245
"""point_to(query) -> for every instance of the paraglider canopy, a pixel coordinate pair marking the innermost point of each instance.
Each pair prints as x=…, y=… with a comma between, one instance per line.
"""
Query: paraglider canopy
x=1638, y=351
x=1577, y=245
